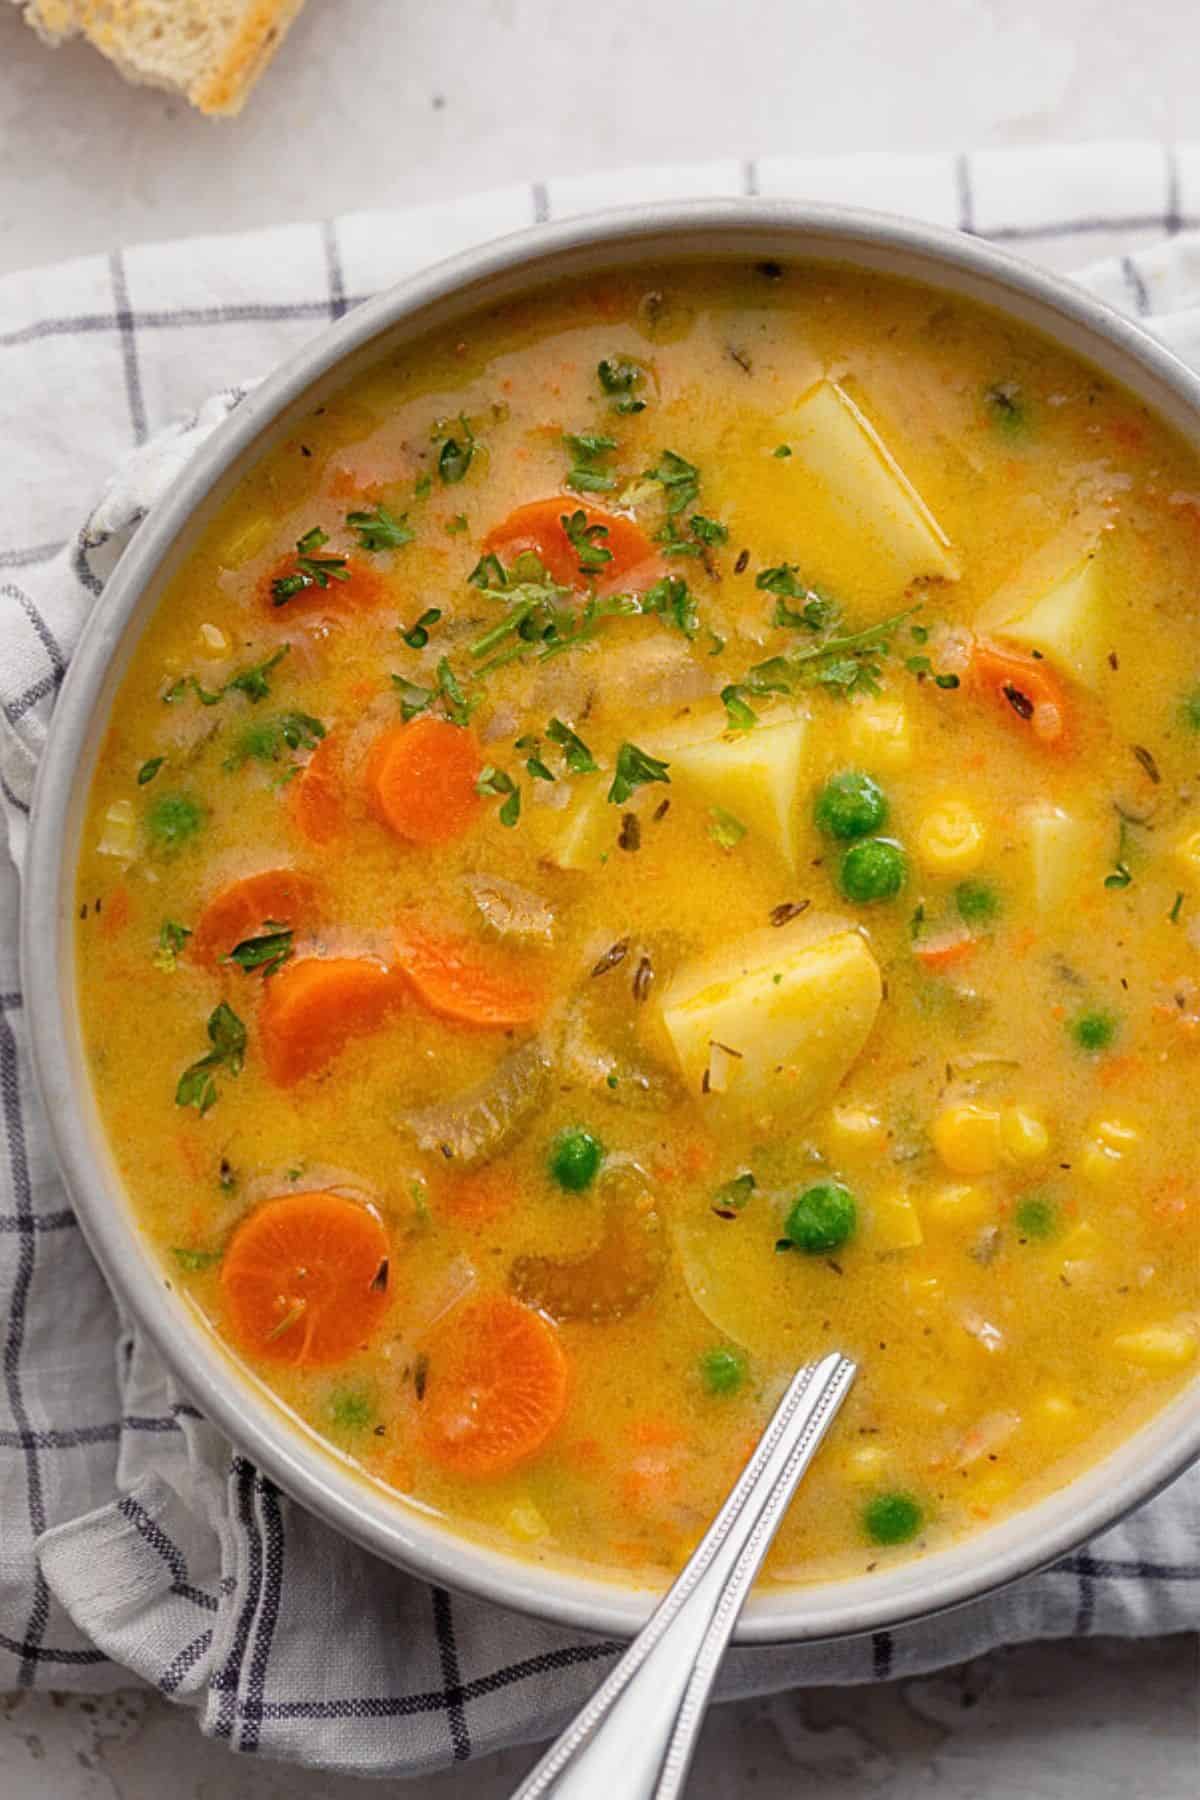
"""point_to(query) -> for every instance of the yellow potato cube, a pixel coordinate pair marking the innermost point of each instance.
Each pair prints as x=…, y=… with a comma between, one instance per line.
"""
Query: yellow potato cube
x=1023, y=1135
x=1186, y=853
x=967, y=1138
x=755, y=775
x=865, y=1465
x=958, y=1205
x=1158, y=1347
x=893, y=1222
x=119, y=837
x=588, y=830
x=1057, y=609
x=951, y=838
x=1066, y=854
x=879, y=734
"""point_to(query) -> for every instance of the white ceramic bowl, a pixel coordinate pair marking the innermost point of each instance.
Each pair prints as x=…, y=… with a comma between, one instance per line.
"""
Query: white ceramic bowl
x=724, y=230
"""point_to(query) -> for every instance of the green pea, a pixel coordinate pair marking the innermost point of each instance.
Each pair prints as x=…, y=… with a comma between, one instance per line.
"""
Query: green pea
x=1035, y=1217
x=874, y=869
x=822, y=1219
x=723, y=1370
x=977, y=903
x=850, y=805
x=172, y=820
x=1093, y=1031
x=351, y=1409
x=575, y=1158
x=892, y=1518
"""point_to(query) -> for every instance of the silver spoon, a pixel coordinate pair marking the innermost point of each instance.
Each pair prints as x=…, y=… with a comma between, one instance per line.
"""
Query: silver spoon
x=636, y=1735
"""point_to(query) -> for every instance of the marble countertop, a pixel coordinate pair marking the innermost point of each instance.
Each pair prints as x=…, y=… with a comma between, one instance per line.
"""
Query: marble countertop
x=376, y=103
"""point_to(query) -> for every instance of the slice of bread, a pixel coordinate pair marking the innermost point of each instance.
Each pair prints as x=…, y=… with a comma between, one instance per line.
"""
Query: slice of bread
x=211, y=50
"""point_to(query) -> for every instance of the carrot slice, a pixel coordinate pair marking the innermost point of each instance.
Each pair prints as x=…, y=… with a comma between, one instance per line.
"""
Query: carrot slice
x=1026, y=690
x=363, y=589
x=315, y=797
x=496, y=1388
x=240, y=910
x=945, y=953
x=314, y=1004
x=305, y=1279
x=453, y=980
x=421, y=780
x=539, y=527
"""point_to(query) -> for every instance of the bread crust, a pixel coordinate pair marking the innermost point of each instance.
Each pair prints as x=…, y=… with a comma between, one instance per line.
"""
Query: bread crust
x=217, y=84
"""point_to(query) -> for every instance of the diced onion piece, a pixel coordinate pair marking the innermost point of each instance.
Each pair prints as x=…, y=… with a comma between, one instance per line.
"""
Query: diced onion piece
x=119, y=836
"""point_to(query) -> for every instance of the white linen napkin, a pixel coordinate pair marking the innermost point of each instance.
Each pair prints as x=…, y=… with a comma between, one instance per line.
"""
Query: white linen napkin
x=132, y=1537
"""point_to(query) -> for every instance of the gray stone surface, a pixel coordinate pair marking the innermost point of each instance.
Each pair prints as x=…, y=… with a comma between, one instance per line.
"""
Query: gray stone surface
x=387, y=102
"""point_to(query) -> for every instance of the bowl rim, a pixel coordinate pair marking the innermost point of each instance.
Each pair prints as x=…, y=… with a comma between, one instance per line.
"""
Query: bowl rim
x=691, y=231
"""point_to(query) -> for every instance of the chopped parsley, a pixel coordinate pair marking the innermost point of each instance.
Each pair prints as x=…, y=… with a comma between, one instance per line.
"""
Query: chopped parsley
x=413, y=699
x=495, y=784
x=782, y=450
x=227, y=1035
x=351, y=1409
x=418, y=635
x=251, y=682
x=380, y=530
x=311, y=570
x=172, y=936
x=818, y=613
x=674, y=602
x=576, y=755
x=732, y=1196
x=844, y=663
x=923, y=669
x=1006, y=408
x=458, y=707
x=620, y=378
x=679, y=480
x=724, y=829
x=267, y=952
x=590, y=553
x=741, y=716
x=705, y=534
x=149, y=770
x=589, y=450
x=195, y=1260
x=455, y=455
x=634, y=769
x=1173, y=915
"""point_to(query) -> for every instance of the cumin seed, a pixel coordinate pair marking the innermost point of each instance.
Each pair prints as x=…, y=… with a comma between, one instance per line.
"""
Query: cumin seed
x=1147, y=762
x=630, y=837
x=379, y=1284
x=1021, y=704
x=643, y=979
x=742, y=563
x=420, y=1375
x=789, y=909
x=615, y=954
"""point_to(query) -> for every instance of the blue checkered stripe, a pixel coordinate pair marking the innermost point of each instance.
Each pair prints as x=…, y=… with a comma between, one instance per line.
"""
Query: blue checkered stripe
x=159, y=1548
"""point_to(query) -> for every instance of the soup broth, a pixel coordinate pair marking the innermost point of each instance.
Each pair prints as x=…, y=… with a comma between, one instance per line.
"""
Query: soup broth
x=657, y=835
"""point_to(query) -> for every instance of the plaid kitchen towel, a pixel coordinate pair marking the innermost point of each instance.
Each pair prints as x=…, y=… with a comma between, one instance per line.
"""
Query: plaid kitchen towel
x=132, y=1537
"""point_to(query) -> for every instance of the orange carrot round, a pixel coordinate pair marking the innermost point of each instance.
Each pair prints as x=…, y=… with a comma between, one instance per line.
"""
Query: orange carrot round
x=315, y=796
x=496, y=1388
x=315, y=1004
x=1028, y=693
x=945, y=953
x=452, y=979
x=539, y=527
x=240, y=910
x=421, y=780
x=305, y=1279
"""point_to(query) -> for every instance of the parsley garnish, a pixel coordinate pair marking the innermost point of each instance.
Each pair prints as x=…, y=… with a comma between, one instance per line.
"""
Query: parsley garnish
x=588, y=474
x=679, y=480
x=782, y=450
x=380, y=529
x=265, y=740
x=311, y=570
x=413, y=699
x=741, y=716
x=672, y=600
x=227, y=1035
x=585, y=541
x=351, y=1409
x=576, y=755
x=253, y=681
x=1122, y=874
x=458, y=707
x=731, y=1196
x=1173, y=915
x=818, y=613
x=493, y=783
x=458, y=524
x=268, y=952
x=454, y=458
x=725, y=830
x=418, y=636
x=845, y=663
x=921, y=667
x=149, y=770
x=619, y=378
x=172, y=936
x=195, y=1260
x=1006, y=408
x=634, y=769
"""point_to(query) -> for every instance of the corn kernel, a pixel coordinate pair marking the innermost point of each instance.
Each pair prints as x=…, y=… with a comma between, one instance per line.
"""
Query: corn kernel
x=525, y=1521
x=865, y=1465
x=1082, y=1241
x=1097, y=1166
x=1186, y=852
x=212, y=642
x=1056, y=1415
x=951, y=839
x=894, y=1224
x=958, y=1204
x=1023, y=1135
x=854, y=1128
x=1161, y=1347
x=991, y=1487
x=967, y=1138
x=879, y=734
x=119, y=837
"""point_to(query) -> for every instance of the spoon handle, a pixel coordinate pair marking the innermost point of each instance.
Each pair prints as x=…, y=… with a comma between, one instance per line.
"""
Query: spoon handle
x=636, y=1735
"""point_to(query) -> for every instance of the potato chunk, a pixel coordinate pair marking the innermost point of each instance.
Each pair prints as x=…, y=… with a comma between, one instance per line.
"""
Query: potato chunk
x=753, y=774
x=1066, y=854
x=1057, y=605
x=783, y=1015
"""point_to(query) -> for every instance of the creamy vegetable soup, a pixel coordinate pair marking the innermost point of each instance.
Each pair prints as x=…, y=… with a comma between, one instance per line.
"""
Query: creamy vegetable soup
x=658, y=834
